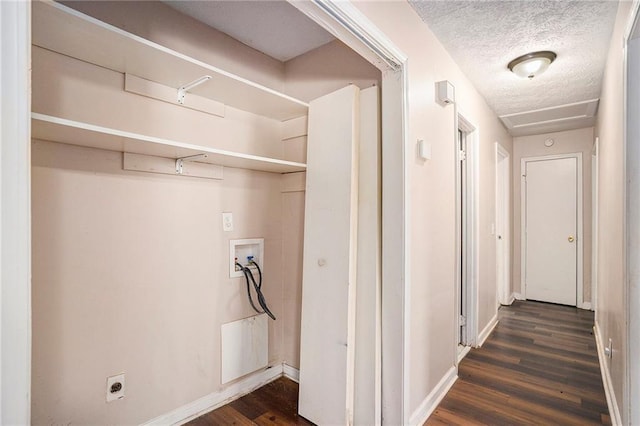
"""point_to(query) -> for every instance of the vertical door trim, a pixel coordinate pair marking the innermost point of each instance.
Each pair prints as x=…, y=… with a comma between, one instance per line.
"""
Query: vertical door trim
x=631, y=223
x=504, y=293
x=579, y=223
x=472, y=219
x=15, y=224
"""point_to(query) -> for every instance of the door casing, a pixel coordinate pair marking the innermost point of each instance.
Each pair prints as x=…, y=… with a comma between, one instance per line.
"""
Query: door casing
x=503, y=226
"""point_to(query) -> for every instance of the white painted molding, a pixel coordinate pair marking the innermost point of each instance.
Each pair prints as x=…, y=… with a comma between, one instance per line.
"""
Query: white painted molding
x=462, y=353
x=518, y=296
x=430, y=403
x=609, y=391
x=214, y=400
x=487, y=330
x=511, y=299
x=586, y=305
x=291, y=372
x=15, y=223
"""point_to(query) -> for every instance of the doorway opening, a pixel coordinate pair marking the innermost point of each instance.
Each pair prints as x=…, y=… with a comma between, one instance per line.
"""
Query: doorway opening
x=466, y=236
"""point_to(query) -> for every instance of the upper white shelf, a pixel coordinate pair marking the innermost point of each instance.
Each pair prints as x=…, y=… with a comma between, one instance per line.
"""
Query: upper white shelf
x=64, y=30
x=71, y=132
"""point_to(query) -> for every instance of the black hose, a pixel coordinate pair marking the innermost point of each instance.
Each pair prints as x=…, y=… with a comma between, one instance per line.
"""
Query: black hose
x=258, y=287
x=246, y=277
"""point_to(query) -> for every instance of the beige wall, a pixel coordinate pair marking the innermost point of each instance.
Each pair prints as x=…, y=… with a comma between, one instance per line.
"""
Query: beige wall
x=130, y=274
x=329, y=68
x=611, y=304
x=571, y=141
x=432, y=194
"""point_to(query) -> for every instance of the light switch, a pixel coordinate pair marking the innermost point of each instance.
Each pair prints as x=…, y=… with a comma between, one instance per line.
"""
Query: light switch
x=227, y=221
x=424, y=149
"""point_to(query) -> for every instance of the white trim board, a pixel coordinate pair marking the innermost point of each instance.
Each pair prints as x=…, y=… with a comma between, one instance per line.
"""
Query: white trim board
x=430, y=403
x=609, y=392
x=579, y=223
x=214, y=400
x=291, y=373
x=486, y=332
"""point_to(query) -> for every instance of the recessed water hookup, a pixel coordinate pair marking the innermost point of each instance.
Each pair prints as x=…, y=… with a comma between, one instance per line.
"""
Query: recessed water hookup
x=243, y=251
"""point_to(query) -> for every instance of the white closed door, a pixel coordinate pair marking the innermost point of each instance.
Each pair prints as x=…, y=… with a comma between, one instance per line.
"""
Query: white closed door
x=551, y=222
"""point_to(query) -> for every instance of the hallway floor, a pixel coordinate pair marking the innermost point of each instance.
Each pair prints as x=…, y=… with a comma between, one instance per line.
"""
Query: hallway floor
x=539, y=366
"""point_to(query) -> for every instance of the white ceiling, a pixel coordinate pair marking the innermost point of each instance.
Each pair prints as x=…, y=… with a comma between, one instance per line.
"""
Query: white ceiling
x=273, y=27
x=484, y=36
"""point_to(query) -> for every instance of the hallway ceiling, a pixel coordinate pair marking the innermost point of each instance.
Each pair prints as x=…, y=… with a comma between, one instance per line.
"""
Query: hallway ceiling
x=483, y=36
x=274, y=28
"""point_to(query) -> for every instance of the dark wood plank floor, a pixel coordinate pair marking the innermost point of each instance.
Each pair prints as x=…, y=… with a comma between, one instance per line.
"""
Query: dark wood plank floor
x=273, y=404
x=539, y=366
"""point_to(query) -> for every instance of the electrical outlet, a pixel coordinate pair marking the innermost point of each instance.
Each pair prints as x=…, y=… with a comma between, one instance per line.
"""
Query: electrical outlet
x=227, y=221
x=115, y=387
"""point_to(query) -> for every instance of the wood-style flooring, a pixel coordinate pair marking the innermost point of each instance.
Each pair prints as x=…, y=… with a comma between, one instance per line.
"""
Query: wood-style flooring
x=538, y=367
x=273, y=404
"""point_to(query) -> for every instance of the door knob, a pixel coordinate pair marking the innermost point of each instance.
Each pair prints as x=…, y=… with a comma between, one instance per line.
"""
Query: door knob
x=570, y=238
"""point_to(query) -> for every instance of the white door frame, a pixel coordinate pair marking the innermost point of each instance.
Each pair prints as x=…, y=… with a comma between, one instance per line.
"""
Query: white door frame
x=503, y=230
x=595, y=179
x=471, y=242
x=631, y=221
x=579, y=219
x=15, y=224
x=352, y=27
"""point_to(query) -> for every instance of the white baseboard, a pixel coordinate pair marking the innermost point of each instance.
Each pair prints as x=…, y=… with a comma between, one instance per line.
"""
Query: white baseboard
x=609, y=392
x=512, y=298
x=214, y=400
x=586, y=305
x=432, y=400
x=518, y=296
x=487, y=330
x=291, y=372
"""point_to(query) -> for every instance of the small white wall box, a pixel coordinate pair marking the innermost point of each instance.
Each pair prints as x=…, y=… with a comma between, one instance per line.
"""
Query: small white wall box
x=243, y=250
x=445, y=92
x=424, y=149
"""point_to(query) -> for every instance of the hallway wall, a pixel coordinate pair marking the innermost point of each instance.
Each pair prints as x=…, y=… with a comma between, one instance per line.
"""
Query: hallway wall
x=580, y=140
x=431, y=191
x=611, y=304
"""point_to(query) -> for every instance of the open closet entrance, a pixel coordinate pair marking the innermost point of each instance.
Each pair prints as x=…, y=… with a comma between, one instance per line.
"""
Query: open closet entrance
x=149, y=159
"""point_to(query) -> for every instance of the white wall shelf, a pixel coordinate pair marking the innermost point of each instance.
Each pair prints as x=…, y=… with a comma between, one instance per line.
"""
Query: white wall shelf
x=56, y=129
x=64, y=30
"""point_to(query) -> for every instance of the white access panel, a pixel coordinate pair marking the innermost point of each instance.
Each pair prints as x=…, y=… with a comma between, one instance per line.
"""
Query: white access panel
x=551, y=230
x=329, y=263
x=245, y=346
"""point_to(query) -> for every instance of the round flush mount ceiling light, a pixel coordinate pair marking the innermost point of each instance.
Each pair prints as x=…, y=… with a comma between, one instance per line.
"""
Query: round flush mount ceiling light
x=532, y=64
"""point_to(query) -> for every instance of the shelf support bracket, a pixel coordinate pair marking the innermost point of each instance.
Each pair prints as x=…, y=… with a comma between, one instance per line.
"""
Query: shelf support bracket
x=180, y=161
x=182, y=90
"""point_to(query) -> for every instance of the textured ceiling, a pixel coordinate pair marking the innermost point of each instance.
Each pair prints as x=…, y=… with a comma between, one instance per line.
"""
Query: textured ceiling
x=483, y=36
x=273, y=27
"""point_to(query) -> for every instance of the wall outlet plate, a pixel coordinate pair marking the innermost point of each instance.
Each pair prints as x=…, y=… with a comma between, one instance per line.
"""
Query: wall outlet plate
x=227, y=221
x=115, y=387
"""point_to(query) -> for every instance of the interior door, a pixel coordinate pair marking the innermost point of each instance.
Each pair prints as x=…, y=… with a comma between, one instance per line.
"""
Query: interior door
x=551, y=197
x=329, y=259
